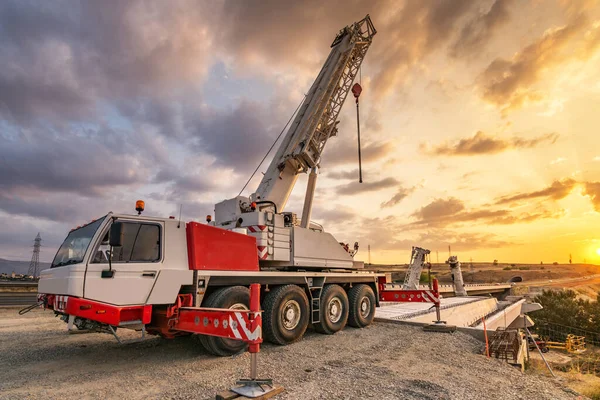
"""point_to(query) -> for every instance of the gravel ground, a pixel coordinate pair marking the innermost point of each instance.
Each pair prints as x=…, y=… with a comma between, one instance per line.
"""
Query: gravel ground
x=39, y=360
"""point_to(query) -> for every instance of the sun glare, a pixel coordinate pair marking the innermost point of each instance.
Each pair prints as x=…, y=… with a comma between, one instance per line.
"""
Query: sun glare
x=598, y=251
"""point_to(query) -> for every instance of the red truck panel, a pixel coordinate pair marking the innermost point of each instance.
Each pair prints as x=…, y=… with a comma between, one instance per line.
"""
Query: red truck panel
x=219, y=249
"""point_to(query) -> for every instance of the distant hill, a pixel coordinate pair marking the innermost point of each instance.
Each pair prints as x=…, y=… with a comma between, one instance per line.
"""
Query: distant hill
x=20, y=267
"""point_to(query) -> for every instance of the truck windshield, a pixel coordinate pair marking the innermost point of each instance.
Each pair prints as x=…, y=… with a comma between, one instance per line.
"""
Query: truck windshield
x=75, y=245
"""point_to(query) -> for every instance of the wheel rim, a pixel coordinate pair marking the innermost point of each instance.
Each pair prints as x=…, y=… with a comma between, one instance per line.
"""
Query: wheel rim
x=238, y=306
x=365, y=307
x=291, y=315
x=334, y=310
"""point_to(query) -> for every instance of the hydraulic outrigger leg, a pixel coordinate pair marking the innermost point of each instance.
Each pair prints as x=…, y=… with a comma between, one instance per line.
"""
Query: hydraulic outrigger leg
x=254, y=387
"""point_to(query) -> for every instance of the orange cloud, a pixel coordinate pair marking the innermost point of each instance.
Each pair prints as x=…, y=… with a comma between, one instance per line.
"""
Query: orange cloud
x=556, y=191
x=592, y=190
x=509, y=84
x=481, y=143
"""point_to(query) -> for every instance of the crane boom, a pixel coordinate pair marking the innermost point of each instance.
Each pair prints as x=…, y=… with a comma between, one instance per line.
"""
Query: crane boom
x=282, y=240
x=413, y=274
x=316, y=121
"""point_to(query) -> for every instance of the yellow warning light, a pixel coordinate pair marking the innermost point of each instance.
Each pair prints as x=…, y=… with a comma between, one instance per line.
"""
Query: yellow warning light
x=139, y=206
x=208, y=218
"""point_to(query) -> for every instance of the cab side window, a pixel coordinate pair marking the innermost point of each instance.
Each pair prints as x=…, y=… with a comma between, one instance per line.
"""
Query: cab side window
x=141, y=243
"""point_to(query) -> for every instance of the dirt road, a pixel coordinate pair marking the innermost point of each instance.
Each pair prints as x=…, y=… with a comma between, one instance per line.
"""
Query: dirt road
x=39, y=360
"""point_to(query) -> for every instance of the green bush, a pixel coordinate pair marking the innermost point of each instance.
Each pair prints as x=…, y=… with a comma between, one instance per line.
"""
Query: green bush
x=564, y=308
x=506, y=269
x=424, y=278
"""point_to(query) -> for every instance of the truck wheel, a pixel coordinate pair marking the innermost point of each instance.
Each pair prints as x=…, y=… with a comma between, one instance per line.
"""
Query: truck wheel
x=285, y=316
x=362, y=306
x=333, y=310
x=235, y=298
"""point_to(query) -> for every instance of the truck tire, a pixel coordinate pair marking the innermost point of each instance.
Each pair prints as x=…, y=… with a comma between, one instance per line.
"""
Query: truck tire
x=232, y=297
x=285, y=316
x=362, y=306
x=333, y=313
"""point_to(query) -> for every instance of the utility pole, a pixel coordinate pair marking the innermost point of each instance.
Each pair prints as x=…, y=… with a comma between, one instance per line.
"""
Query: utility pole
x=369, y=247
x=471, y=269
x=437, y=257
x=34, y=265
x=449, y=252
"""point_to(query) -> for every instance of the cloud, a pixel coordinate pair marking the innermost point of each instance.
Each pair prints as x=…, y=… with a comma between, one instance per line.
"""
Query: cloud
x=61, y=64
x=390, y=234
x=459, y=241
x=479, y=30
x=558, y=161
x=16, y=242
x=509, y=84
x=367, y=186
x=410, y=31
x=411, y=34
x=481, y=143
x=447, y=212
x=342, y=175
x=75, y=162
x=559, y=189
x=592, y=189
x=439, y=208
x=400, y=195
x=237, y=138
x=332, y=216
x=339, y=152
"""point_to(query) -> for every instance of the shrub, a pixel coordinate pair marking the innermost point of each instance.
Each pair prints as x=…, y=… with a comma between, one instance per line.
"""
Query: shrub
x=506, y=269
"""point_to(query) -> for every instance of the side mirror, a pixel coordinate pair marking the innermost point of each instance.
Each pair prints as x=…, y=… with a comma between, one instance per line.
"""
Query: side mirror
x=116, y=234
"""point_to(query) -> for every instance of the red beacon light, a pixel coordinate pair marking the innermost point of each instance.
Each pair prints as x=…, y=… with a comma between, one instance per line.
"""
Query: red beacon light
x=171, y=217
x=253, y=206
x=208, y=219
x=139, y=206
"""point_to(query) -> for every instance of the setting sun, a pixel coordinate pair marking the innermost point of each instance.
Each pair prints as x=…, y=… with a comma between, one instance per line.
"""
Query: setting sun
x=598, y=251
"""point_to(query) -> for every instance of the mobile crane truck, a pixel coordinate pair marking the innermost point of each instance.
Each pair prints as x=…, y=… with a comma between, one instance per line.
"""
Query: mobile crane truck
x=140, y=272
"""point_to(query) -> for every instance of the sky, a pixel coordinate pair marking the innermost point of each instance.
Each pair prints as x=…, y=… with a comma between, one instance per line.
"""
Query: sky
x=479, y=119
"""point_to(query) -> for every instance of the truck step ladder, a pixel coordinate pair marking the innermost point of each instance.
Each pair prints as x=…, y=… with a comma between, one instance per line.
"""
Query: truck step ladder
x=315, y=286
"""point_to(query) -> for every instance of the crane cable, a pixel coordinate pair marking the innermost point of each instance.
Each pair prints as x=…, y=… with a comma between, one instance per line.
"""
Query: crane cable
x=356, y=91
x=273, y=145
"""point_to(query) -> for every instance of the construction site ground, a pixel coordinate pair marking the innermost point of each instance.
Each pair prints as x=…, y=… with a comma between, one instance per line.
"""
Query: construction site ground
x=39, y=360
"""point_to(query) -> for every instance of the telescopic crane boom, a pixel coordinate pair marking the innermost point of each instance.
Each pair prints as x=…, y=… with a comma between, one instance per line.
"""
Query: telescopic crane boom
x=300, y=151
x=316, y=122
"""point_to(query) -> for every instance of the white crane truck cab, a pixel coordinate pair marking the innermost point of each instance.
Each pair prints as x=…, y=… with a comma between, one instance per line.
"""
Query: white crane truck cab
x=149, y=267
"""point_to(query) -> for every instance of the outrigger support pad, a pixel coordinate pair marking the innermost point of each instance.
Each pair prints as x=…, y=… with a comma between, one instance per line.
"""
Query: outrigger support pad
x=255, y=387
